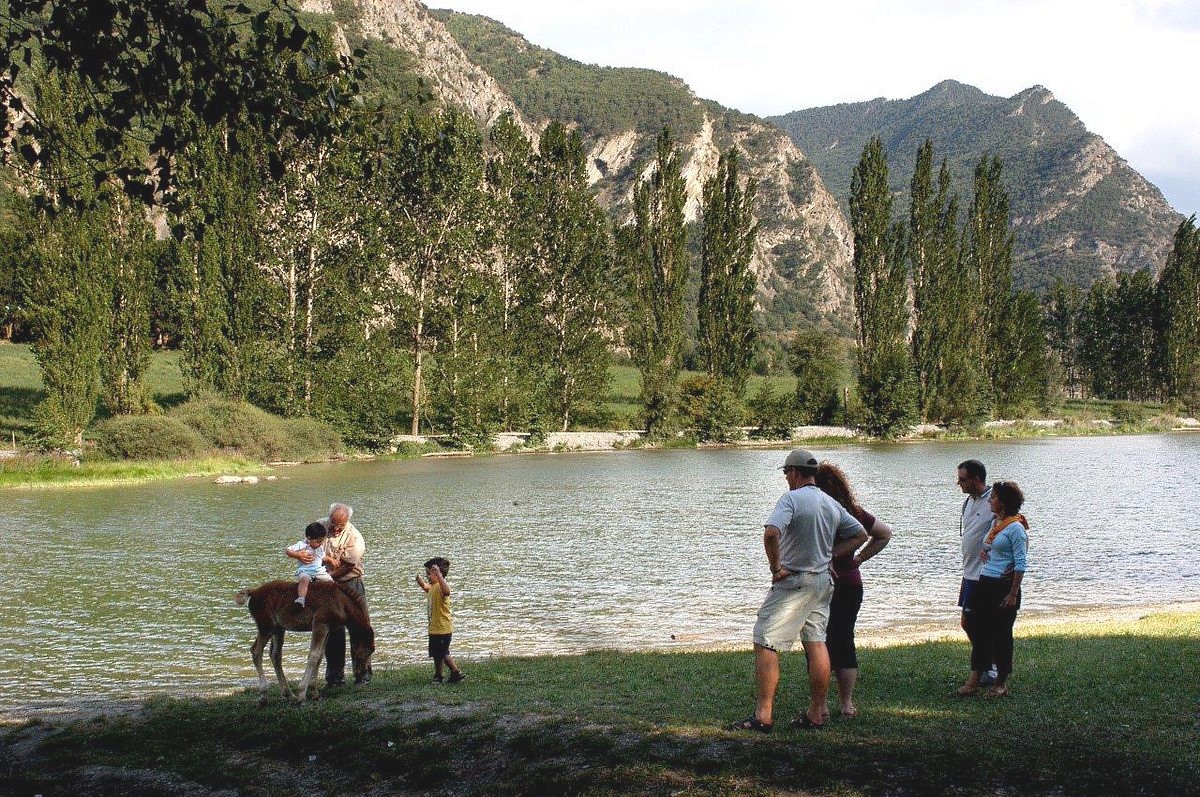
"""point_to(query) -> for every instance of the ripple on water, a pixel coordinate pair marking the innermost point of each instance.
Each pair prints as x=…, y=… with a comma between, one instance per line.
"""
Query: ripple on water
x=556, y=554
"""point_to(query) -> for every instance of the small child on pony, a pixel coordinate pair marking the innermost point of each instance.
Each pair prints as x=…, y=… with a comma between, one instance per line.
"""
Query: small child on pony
x=312, y=565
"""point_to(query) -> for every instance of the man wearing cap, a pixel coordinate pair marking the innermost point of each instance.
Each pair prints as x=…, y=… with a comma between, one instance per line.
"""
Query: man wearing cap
x=804, y=533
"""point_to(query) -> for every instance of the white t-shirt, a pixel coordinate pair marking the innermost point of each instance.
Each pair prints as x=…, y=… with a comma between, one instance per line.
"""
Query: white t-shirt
x=810, y=521
x=314, y=568
x=977, y=520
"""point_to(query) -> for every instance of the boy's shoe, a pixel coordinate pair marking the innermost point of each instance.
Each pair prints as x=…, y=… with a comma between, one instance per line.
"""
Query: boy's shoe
x=300, y=601
x=989, y=677
x=437, y=680
x=458, y=677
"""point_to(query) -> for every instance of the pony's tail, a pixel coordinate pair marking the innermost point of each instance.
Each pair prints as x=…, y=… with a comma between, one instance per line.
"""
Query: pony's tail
x=242, y=596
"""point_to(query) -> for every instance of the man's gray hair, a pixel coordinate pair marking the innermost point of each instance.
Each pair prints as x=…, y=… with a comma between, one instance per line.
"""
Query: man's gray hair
x=335, y=507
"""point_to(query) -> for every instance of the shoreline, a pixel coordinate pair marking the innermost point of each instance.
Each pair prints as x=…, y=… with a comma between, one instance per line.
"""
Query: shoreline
x=67, y=710
x=42, y=474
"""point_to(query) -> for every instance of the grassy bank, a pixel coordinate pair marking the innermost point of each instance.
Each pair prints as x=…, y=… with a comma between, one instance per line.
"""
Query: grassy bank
x=1098, y=708
x=34, y=473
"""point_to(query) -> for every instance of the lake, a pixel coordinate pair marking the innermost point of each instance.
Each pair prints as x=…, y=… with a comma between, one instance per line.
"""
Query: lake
x=117, y=592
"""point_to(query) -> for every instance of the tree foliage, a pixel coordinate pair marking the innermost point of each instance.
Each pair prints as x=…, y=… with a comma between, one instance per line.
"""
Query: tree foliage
x=654, y=249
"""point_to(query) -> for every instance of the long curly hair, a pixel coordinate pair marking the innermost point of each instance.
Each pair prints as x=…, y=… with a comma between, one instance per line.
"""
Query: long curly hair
x=833, y=482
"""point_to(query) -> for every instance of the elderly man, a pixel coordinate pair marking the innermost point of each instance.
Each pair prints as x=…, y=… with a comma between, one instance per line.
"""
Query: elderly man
x=344, y=562
x=804, y=533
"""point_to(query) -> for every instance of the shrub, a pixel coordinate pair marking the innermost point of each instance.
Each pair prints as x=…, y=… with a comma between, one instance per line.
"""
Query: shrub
x=148, y=437
x=237, y=426
x=308, y=438
x=709, y=407
x=1128, y=414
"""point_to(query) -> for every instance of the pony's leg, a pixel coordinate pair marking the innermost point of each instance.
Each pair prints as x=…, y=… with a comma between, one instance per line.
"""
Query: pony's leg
x=316, y=651
x=256, y=653
x=277, y=662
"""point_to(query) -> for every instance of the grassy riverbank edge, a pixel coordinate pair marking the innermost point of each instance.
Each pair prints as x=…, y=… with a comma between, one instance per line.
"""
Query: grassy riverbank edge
x=1102, y=703
x=56, y=472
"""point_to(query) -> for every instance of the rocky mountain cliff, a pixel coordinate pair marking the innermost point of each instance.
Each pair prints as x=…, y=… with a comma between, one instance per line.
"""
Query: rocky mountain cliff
x=804, y=249
x=1079, y=210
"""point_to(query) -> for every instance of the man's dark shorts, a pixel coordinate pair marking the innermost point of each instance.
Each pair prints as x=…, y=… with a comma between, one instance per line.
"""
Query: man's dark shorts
x=964, y=594
x=439, y=646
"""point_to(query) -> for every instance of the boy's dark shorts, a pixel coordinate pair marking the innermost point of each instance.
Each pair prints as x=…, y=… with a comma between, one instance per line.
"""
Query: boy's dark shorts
x=439, y=645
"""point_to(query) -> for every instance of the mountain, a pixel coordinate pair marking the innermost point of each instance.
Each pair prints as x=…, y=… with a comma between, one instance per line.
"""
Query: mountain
x=804, y=251
x=1079, y=210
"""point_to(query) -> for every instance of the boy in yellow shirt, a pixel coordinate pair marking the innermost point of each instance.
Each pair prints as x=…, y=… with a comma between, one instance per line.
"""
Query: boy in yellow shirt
x=441, y=622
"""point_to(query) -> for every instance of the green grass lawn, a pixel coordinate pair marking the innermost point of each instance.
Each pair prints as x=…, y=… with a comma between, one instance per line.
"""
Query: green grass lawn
x=1096, y=709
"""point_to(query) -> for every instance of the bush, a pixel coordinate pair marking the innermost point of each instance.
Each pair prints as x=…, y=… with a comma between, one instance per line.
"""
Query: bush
x=308, y=438
x=237, y=426
x=710, y=409
x=1128, y=414
x=148, y=437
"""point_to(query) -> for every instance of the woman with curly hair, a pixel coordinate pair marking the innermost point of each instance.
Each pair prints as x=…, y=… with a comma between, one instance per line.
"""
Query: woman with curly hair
x=848, y=584
x=997, y=598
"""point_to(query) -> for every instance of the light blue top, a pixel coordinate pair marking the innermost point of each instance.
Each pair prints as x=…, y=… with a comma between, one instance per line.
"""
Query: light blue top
x=314, y=568
x=809, y=522
x=1006, y=554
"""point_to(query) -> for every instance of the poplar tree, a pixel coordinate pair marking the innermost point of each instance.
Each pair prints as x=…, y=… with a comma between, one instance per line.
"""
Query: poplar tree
x=430, y=184
x=1179, y=302
x=946, y=302
x=1064, y=308
x=654, y=248
x=727, y=333
x=886, y=383
x=566, y=287
x=989, y=249
x=509, y=176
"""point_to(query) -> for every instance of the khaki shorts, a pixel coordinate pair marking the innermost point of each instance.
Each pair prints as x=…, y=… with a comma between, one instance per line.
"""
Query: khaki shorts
x=797, y=606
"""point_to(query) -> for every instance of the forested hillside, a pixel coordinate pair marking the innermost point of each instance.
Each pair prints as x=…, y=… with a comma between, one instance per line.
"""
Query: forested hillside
x=803, y=250
x=1079, y=210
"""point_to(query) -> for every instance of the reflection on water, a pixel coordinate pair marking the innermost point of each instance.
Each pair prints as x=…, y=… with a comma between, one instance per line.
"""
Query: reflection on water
x=130, y=590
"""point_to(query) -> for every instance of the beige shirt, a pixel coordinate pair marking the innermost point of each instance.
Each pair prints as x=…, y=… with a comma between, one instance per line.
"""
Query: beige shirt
x=348, y=548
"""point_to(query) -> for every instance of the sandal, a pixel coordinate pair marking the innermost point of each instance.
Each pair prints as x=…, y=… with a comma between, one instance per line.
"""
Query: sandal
x=751, y=723
x=804, y=723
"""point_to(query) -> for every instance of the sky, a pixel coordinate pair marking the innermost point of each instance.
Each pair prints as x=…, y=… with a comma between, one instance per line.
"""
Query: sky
x=1127, y=68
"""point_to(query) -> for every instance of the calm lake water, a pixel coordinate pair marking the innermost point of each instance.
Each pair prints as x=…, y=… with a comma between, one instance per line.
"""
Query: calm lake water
x=129, y=591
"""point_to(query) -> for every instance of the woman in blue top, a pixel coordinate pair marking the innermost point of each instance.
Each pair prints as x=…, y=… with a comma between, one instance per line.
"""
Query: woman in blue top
x=997, y=598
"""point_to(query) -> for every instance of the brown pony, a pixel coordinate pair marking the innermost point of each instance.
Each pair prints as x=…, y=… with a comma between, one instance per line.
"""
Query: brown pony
x=274, y=609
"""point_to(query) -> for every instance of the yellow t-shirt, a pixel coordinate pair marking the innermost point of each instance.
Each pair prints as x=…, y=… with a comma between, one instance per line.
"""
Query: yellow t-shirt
x=440, y=619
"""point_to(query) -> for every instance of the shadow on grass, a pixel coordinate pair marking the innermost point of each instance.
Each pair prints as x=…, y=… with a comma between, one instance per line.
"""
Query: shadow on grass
x=1091, y=713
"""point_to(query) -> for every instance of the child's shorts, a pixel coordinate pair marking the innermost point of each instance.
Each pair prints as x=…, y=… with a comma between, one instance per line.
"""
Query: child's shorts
x=320, y=575
x=439, y=646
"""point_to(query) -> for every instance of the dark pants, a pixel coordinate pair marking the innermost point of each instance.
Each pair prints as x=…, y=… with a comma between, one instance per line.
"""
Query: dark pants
x=839, y=631
x=991, y=626
x=335, y=645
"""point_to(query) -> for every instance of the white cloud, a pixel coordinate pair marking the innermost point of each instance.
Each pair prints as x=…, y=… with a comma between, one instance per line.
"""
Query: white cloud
x=1127, y=67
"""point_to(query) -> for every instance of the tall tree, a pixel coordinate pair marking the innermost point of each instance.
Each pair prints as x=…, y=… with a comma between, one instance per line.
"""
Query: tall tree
x=509, y=178
x=886, y=382
x=565, y=288
x=654, y=248
x=727, y=332
x=430, y=184
x=1064, y=307
x=989, y=248
x=1179, y=300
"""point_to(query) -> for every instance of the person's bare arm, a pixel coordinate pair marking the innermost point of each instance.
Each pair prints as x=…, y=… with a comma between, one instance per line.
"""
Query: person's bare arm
x=771, y=537
x=849, y=545
x=881, y=535
x=436, y=573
